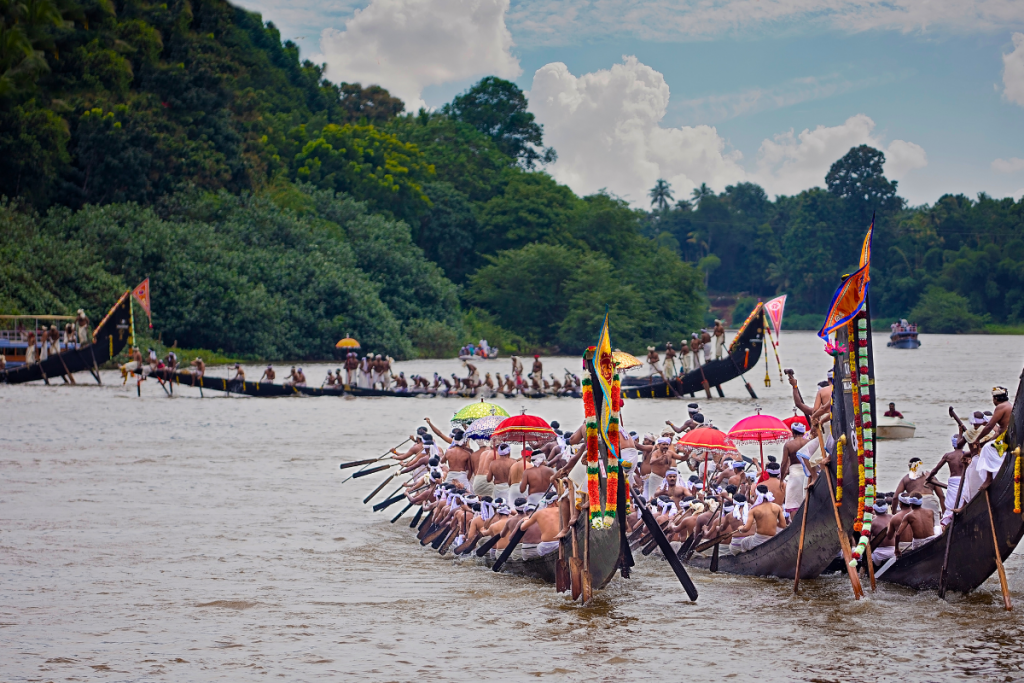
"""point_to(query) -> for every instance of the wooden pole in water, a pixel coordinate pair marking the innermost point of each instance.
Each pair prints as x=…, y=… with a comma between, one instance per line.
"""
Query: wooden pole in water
x=803, y=529
x=999, y=560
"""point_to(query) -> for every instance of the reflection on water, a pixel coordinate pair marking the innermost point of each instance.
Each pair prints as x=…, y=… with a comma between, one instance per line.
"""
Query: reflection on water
x=200, y=539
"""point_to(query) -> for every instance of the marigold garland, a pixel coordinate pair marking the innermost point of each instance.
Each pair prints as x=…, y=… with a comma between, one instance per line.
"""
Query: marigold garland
x=612, y=489
x=593, y=452
x=839, y=470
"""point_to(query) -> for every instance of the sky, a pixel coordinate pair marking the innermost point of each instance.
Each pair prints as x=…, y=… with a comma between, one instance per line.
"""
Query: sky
x=710, y=91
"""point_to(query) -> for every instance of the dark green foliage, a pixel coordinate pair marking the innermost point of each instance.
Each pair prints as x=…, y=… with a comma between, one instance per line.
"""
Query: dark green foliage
x=945, y=312
x=498, y=108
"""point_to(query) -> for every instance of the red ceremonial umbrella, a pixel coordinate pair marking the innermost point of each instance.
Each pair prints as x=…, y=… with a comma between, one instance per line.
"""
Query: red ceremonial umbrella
x=529, y=429
x=762, y=429
x=790, y=421
x=712, y=441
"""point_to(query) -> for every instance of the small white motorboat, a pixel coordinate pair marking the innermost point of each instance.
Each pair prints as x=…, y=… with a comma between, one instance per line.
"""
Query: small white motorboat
x=894, y=428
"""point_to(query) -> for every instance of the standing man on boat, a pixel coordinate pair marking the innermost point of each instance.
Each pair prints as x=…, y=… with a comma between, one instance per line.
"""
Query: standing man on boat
x=719, y=339
x=538, y=367
x=30, y=350
x=351, y=365
x=498, y=472
x=480, y=463
x=955, y=460
x=457, y=457
x=991, y=458
x=695, y=347
x=670, y=361
x=793, y=472
x=705, y=340
x=82, y=325
x=537, y=479
x=653, y=359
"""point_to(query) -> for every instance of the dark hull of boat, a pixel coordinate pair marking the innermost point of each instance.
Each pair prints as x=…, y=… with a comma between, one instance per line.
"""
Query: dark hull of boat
x=744, y=352
x=777, y=557
x=265, y=389
x=109, y=338
x=907, y=340
x=604, y=558
x=972, y=552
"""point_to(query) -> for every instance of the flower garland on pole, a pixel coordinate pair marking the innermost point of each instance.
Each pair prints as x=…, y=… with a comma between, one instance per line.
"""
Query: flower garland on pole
x=1016, y=483
x=593, y=443
x=611, y=491
x=865, y=427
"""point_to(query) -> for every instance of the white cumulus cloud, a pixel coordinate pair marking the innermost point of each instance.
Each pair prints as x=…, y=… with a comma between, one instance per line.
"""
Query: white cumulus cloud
x=407, y=45
x=607, y=129
x=605, y=126
x=1011, y=165
x=1013, y=71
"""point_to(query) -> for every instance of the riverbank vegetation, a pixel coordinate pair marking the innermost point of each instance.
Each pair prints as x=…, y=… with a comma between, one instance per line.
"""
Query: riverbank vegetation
x=275, y=211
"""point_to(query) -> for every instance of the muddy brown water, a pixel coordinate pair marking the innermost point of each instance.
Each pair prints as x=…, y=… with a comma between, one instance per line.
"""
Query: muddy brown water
x=211, y=539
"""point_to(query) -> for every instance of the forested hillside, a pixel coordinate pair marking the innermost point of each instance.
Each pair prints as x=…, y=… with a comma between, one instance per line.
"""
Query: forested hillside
x=275, y=210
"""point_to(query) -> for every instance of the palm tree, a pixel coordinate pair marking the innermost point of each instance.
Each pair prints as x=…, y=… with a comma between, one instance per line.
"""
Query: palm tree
x=701, y=192
x=661, y=194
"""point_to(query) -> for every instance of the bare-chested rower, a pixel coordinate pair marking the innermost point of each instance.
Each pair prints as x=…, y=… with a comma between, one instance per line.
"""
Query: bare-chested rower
x=882, y=546
x=957, y=463
x=916, y=482
x=498, y=471
x=457, y=457
x=541, y=537
x=765, y=519
x=536, y=480
x=917, y=520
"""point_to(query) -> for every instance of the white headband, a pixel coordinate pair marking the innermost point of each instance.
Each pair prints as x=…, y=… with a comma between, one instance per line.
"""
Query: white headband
x=663, y=439
x=762, y=497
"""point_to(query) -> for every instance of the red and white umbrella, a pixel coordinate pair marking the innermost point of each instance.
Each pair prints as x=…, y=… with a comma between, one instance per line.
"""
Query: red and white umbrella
x=762, y=429
x=709, y=439
x=526, y=429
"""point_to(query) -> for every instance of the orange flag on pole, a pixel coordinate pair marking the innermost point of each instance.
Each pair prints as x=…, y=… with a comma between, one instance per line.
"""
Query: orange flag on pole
x=141, y=294
x=849, y=299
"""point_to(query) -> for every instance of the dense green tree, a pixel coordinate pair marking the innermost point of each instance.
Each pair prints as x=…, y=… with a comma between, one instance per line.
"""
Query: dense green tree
x=940, y=311
x=661, y=194
x=498, y=108
x=447, y=231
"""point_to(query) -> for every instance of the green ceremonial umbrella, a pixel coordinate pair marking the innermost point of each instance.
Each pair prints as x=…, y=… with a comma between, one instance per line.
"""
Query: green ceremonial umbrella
x=474, y=411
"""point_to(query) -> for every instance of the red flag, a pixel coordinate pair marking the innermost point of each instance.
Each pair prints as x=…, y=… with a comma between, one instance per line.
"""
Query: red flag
x=141, y=294
x=774, y=309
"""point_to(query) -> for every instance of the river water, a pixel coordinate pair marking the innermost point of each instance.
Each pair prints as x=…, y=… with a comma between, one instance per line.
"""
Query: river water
x=212, y=539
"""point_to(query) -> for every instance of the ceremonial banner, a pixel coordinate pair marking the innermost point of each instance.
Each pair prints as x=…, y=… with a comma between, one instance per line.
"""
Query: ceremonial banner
x=851, y=295
x=605, y=366
x=141, y=294
x=774, y=309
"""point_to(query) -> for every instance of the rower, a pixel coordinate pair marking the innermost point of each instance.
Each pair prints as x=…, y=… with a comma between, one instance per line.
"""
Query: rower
x=538, y=367
x=690, y=424
x=171, y=361
x=480, y=462
x=329, y=381
x=457, y=458
x=705, y=340
x=695, y=347
x=915, y=482
x=684, y=357
x=774, y=482
x=764, y=521
x=498, y=471
x=794, y=472
x=994, y=433
x=239, y=373
x=541, y=537
x=917, y=520
x=955, y=461
x=719, y=339
x=653, y=359
x=268, y=374
x=153, y=360
x=82, y=325
x=882, y=546
x=537, y=479
x=401, y=384
x=670, y=361
x=496, y=525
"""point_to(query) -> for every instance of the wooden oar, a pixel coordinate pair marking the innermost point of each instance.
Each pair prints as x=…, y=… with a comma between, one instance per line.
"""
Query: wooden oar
x=425, y=526
x=367, y=463
x=724, y=538
x=944, y=572
x=443, y=549
x=575, y=566
x=587, y=580
x=562, y=578
x=714, y=559
x=373, y=470
x=517, y=536
x=666, y=548
x=416, y=518
x=449, y=532
x=485, y=548
x=844, y=541
x=999, y=560
x=377, y=490
x=70, y=376
x=803, y=530
x=357, y=463
x=383, y=505
x=704, y=380
x=750, y=389
x=404, y=510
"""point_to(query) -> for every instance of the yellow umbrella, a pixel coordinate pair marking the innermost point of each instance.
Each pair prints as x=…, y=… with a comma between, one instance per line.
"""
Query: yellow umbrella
x=348, y=343
x=474, y=411
x=624, y=360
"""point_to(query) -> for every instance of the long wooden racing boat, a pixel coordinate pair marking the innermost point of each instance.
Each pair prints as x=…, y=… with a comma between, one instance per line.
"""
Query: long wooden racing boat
x=971, y=550
x=743, y=354
x=777, y=557
x=264, y=389
x=108, y=339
